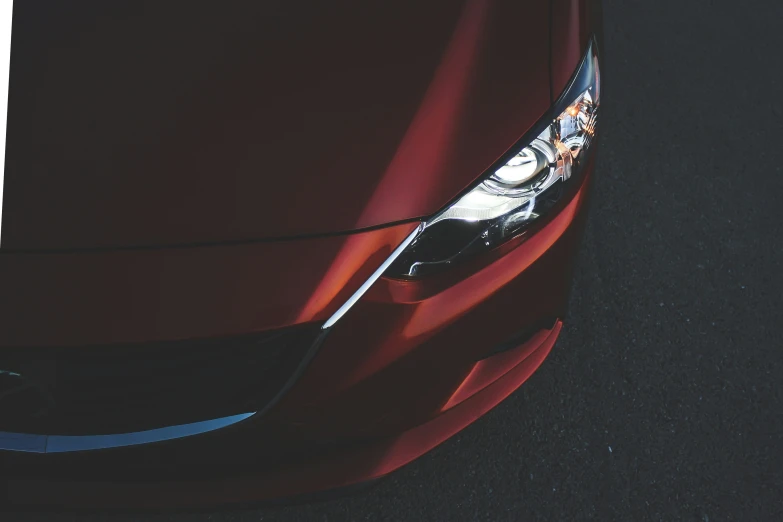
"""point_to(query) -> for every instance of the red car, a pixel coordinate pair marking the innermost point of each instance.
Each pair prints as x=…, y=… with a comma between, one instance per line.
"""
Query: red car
x=253, y=251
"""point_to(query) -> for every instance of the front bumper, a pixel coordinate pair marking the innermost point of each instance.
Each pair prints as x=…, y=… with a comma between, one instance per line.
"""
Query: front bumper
x=409, y=366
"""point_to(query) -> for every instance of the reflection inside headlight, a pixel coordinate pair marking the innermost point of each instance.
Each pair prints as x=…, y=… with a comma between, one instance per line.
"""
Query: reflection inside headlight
x=524, y=188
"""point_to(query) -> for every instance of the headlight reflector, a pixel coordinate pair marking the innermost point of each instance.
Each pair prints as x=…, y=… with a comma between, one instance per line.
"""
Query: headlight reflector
x=520, y=191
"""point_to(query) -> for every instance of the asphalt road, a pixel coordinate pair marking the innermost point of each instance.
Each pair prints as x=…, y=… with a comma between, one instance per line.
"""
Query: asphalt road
x=662, y=400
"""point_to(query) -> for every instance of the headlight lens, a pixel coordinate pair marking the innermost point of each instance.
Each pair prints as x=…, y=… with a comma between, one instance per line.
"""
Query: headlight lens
x=523, y=189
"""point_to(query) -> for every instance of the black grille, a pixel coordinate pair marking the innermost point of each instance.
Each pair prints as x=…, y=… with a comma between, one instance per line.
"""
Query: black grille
x=125, y=388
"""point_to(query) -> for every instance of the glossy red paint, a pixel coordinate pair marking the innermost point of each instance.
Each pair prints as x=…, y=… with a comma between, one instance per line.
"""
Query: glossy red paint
x=76, y=299
x=411, y=363
x=393, y=336
x=363, y=463
x=326, y=434
x=487, y=371
x=264, y=120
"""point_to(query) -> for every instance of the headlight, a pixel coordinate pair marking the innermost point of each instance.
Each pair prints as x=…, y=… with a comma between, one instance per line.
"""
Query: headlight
x=530, y=181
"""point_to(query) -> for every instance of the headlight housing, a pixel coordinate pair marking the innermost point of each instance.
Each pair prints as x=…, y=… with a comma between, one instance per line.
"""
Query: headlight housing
x=530, y=181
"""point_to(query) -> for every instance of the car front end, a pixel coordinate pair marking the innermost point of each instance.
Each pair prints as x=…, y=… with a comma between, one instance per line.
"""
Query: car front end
x=366, y=322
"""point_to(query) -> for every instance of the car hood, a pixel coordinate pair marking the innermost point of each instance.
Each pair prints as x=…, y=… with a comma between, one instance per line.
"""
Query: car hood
x=147, y=123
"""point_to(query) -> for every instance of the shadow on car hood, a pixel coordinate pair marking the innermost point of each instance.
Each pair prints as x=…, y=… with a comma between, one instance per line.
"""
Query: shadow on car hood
x=146, y=123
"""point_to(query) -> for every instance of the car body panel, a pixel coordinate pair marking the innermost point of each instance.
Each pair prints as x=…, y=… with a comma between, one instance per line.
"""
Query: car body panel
x=143, y=123
x=89, y=298
x=364, y=463
x=316, y=439
x=412, y=362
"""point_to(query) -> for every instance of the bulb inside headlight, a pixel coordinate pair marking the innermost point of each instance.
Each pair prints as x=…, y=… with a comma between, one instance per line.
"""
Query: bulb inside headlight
x=525, y=186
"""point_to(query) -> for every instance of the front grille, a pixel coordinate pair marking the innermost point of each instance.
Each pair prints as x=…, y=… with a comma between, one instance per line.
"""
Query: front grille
x=126, y=388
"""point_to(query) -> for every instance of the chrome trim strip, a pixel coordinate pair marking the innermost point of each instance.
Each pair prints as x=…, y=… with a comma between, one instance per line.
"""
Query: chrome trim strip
x=32, y=443
x=22, y=442
x=374, y=277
